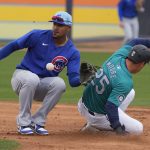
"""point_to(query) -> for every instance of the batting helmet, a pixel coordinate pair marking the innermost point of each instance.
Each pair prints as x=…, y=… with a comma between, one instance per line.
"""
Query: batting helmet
x=139, y=53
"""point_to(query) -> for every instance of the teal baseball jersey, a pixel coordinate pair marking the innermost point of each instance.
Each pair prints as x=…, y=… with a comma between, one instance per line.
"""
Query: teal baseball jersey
x=112, y=83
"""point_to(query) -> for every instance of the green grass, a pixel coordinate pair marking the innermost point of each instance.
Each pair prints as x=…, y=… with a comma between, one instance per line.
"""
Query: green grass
x=8, y=145
x=71, y=96
x=141, y=86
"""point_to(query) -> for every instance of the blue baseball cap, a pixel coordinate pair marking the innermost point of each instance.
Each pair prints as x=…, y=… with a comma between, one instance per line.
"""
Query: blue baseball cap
x=63, y=18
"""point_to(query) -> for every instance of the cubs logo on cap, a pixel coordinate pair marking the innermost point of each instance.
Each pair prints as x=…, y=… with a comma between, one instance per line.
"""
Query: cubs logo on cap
x=63, y=18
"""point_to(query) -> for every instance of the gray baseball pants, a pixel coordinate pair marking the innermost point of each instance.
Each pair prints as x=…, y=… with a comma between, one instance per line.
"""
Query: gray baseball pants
x=131, y=28
x=29, y=86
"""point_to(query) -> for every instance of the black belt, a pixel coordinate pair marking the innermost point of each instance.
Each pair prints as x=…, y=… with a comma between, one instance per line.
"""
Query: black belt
x=90, y=112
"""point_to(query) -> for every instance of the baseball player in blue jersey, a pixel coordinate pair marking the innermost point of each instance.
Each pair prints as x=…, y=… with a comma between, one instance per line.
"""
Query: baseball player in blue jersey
x=108, y=95
x=128, y=16
x=31, y=80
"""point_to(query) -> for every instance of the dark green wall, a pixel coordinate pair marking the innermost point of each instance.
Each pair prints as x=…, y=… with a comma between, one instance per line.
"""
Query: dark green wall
x=144, y=20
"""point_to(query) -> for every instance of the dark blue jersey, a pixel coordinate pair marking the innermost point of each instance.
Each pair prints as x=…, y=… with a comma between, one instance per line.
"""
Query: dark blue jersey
x=41, y=50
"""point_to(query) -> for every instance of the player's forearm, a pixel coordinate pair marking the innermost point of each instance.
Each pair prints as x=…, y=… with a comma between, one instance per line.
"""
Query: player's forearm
x=74, y=79
x=143, y=41
x=113, y=116
x=8, y=49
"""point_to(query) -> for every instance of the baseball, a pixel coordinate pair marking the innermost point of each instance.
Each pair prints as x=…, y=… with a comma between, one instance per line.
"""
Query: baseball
x=50, y=66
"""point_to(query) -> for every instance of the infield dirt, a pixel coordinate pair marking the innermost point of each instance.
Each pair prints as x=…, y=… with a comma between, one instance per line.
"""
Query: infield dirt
x=64, y=123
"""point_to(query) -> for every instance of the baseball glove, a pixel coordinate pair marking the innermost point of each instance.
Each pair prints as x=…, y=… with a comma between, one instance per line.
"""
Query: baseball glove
x=87, y=72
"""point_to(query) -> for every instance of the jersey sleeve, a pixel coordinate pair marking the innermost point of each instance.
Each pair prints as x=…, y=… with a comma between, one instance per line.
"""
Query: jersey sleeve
x=74, y=63
x=120, y=9
x=143, y=41
x=73, y=68
x=8, y=49
x=28, y=40
x=119, y=93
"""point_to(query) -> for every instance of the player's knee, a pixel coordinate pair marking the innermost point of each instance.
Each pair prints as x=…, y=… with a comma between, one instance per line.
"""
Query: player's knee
x=32, y=81
x=139, y=129
x=24, y=82
x=60, y=85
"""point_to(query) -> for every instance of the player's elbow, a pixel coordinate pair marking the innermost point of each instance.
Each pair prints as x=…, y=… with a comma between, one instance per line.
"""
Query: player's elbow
x=74, y=83
x=74, y=80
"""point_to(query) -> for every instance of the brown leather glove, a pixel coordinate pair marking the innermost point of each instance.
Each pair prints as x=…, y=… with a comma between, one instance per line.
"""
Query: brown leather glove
x=87, y=72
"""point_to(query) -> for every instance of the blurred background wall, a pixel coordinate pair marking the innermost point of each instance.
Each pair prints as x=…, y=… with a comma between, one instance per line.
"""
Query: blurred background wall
x=144, y=20
x=92, y=18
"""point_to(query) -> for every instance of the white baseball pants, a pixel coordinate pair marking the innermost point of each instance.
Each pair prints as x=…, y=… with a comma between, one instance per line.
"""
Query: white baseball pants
x=100, y=121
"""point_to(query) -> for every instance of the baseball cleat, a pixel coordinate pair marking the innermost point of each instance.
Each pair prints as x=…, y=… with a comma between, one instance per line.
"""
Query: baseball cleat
x=26, y=130
x=40, y=130
x=89, y=129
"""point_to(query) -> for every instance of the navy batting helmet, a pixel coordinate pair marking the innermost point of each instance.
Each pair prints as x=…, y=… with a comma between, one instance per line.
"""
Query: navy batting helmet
x=139, y=53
